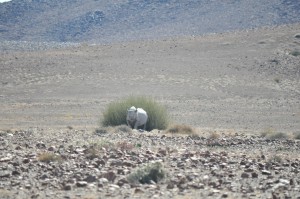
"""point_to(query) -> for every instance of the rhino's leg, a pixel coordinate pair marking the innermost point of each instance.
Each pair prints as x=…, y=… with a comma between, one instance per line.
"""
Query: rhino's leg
x=136, y=125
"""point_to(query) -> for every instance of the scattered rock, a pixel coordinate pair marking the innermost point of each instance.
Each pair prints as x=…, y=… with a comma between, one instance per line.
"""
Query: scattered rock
x=81, y=184
x=266, y=172
x=5, y=174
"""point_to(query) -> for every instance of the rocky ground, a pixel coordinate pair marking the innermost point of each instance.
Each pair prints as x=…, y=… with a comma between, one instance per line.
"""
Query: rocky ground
x=69, y=163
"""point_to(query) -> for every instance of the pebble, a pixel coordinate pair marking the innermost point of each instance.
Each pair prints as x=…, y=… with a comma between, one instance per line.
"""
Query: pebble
x=265, y=172
x=81, y=184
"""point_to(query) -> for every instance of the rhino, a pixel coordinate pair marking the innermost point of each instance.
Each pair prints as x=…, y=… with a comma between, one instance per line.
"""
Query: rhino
x=136, y=117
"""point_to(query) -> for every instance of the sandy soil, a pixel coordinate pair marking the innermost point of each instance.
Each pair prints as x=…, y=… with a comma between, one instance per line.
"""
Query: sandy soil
x=242, y=80
x=239, y=82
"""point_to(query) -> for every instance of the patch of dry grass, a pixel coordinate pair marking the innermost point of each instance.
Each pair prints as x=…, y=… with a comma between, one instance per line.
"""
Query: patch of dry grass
x=214, y=135
x=271, y=134
x=181, y=129
x=49, y=157
x=145, y=175
x=124, y=146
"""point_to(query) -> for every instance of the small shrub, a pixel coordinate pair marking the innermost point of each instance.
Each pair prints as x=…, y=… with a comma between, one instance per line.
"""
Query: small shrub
x=275, y=159
x=103, y=130
x=103, y=143
x=297, y=135
x=181, y=129
x=124, y=128
x=152, y=172
x=124, y=146
x=295, y=53
x=116, y=113
x=271, y=135
x=267, y=131
x=49, y=157
x=277, y=80
x=213, y=135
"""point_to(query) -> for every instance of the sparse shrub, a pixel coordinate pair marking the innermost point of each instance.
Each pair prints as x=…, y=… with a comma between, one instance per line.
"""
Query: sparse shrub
x=295, y=53
x=103, y=130
x=49, y=157
x=267, y=132
x=213, y=135
x=275, y=61
x=277, y=80
x=91, y=153
x=124, y=128
x=103, y=143
x=272, y=135
x=181, y=129
x=275, y=159
x=277, y=135
x=124, y=146
x=297, y=135
x=152, y=172
x=116, y=113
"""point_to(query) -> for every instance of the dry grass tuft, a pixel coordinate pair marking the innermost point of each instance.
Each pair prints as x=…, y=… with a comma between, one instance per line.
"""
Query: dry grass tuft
x=104, y=130
x=124, y=146
x=272, y=135
x=181, y=129
x=214, y=135
x=49, y=157
x=123, y=128
x=145, y=175
x=297, y=135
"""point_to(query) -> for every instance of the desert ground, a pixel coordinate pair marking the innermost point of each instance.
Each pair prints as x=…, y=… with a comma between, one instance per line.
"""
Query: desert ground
x=235, y=84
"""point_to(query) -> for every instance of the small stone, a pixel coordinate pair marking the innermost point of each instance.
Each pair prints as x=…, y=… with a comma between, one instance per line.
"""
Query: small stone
x=225, y=195
x=110, y=176
x=27, y=186
x=103, y=181
x=265, y=172
x=40, y=145
x=44, y=176
x=18, y=148
x=162, y=152
x=90, y=178
x=67, y=187
x=170, y=186
x=51, y=148
x=254, y=175
x=26, y=160
x=116, y=163
x=138, y=190
x=283, y=181
x=128, y=164
x=121, y=182
x=100, y=162
x=113, y=187
x=5, y=174
x=245, y=175
x=5, y=159
x=81, y=184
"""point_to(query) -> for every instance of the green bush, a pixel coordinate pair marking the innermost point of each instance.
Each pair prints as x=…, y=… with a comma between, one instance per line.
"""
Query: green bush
x=152, y=172
x=116, y=112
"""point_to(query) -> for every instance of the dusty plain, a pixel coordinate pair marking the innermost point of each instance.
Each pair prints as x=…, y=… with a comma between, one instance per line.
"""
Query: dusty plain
x=236, y=84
